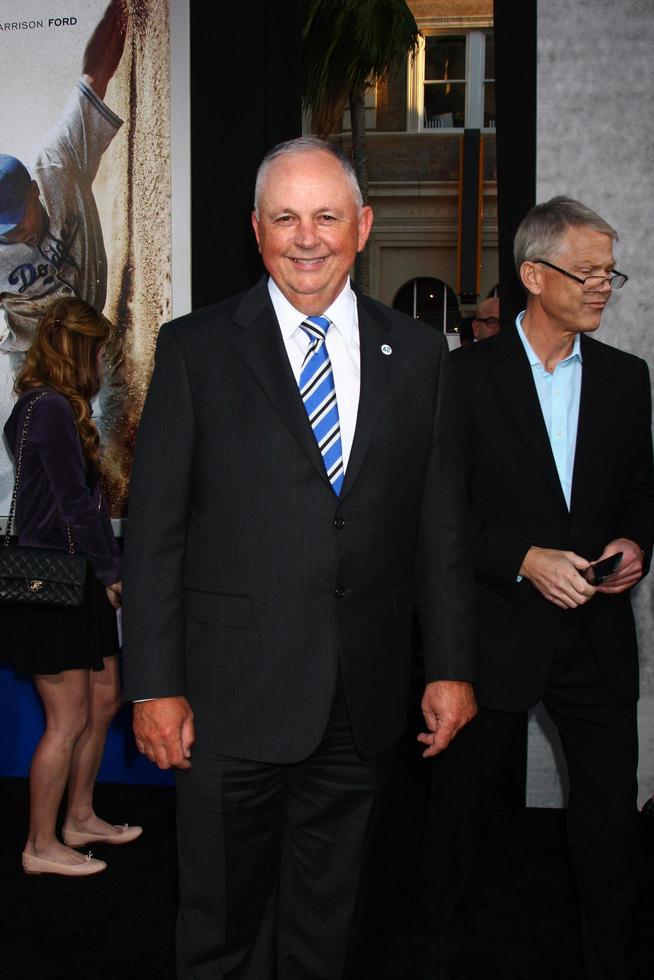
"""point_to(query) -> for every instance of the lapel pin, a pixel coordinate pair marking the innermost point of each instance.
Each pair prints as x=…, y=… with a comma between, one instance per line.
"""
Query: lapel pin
x=385, y=349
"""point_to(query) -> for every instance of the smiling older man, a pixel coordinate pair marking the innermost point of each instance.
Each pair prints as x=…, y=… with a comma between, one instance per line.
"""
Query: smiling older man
x=296, y=492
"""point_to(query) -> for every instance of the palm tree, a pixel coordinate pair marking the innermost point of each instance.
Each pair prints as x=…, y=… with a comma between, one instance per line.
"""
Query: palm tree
x=349, y=46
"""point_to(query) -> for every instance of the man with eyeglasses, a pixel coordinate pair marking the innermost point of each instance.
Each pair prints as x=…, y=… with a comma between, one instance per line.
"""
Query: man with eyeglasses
x=558, y=454
x=486, y=322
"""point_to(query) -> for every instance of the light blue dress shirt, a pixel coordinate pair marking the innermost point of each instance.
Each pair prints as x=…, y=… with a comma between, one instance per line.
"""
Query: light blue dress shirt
x=559, y=394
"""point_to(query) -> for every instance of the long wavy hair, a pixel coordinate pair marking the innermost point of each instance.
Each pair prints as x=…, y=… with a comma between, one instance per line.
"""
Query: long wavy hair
x=65, y=355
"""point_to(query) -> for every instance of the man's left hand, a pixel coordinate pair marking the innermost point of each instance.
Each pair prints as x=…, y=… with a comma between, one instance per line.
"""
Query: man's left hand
x=631, y=566
x=446, y=707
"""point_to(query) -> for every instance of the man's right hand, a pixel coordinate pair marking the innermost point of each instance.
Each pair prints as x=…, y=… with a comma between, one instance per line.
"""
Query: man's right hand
x=556, y=576
x=164, y=731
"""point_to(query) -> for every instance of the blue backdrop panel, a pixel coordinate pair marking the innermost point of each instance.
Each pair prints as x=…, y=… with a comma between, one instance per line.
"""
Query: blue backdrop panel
x=21, y=725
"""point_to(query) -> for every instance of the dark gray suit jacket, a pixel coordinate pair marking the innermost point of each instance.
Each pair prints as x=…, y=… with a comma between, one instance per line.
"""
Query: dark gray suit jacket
x=516, y=501
x=247, y=579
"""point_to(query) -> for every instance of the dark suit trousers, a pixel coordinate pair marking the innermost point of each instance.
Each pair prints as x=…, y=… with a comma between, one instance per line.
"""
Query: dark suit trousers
x=598, y=736
x=273, y=860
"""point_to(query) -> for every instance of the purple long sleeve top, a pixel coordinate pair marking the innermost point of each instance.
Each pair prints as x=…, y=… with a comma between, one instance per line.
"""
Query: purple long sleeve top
x=54, y=489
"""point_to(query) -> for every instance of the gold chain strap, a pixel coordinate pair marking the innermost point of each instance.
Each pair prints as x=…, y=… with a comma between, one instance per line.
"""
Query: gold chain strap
x=19, y=465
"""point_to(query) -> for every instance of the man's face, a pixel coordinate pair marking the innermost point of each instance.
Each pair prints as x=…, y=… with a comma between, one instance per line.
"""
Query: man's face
x=309, y=228
x=567, y=306
x=32, y=228
x=487, y=320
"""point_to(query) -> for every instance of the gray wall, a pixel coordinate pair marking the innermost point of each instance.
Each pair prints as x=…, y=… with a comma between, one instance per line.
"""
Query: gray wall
x=595, y=142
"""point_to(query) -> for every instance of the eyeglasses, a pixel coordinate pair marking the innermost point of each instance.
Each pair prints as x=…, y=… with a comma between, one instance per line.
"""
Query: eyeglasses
x=589, y=283
x=491, y=320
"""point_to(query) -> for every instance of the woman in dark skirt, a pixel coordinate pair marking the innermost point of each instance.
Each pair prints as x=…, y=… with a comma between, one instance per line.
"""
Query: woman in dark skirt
x=71, y=652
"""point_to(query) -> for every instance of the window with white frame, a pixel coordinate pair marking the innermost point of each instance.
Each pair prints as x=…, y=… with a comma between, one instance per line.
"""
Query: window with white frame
x=451, y=83
x=371, y=111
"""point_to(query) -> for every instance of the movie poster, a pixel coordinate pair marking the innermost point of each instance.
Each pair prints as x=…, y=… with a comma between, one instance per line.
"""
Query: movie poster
x=95, y=105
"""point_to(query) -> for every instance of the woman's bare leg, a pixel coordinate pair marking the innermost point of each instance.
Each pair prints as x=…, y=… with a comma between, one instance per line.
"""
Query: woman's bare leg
x=104, y=701
x=65, y=703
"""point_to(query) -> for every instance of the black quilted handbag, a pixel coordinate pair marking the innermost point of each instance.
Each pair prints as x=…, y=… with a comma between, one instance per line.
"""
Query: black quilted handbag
x=42, y=576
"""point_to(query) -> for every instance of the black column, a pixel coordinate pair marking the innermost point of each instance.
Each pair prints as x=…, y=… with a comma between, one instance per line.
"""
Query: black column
x=515, y=90
x=245, y=98
x=470, y=195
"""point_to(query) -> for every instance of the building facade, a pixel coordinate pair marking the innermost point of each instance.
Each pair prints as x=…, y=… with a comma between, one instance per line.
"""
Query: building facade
x=432, y=168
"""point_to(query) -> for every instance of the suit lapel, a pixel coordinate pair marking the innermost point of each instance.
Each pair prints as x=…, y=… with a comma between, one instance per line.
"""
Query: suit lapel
x=377, y=372
x=261, y=345
x=596, y=414
x=515, y=384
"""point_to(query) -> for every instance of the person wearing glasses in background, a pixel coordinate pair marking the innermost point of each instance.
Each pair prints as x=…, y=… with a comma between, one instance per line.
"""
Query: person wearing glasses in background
x=555, y=430
x=486, y=322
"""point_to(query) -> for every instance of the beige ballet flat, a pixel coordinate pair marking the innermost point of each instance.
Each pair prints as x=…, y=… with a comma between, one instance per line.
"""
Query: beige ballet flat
x=33, y=865
x=78, y=838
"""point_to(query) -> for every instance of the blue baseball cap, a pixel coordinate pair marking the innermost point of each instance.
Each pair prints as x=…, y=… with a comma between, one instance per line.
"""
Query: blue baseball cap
x=15, y=185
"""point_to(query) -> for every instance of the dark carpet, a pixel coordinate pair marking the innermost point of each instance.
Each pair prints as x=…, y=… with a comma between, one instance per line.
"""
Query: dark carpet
x=522, y=917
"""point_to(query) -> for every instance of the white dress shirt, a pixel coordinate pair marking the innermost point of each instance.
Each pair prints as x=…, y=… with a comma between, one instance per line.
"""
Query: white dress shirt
x=343, y=348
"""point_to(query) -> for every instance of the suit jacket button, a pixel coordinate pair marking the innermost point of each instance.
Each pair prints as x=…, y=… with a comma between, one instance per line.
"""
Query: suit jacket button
x=341, y=593
x=339, y=523
x=574, y=531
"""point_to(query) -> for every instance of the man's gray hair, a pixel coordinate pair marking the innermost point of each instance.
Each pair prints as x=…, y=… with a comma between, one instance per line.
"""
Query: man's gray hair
x=542, y=229
x=305, y=144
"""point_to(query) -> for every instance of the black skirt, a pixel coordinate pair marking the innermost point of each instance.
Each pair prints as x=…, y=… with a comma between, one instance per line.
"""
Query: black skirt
x=49, y=639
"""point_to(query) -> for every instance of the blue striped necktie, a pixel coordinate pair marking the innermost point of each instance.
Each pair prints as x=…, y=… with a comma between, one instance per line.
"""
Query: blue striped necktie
x=319, y=397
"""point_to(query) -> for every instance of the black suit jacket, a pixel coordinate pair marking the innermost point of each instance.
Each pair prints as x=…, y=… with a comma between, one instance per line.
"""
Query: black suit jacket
x=247, y=579
x=516, y=501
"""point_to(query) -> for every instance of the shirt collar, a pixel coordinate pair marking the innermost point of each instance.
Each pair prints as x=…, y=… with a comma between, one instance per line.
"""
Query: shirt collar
x=342, y=312
x=529, y=350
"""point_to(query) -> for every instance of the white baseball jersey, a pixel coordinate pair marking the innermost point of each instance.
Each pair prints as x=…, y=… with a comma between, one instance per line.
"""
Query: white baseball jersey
x=71, y=258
